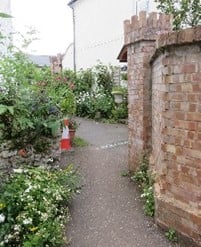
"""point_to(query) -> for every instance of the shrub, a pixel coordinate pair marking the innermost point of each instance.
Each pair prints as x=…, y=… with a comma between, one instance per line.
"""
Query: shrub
x=120, y=112
x=32, y=101
x=84, y=81
x=33, y=208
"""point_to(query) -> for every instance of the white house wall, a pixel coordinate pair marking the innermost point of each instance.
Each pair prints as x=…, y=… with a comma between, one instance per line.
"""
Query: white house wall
x=67, y=61
x=99, y=29
x=5, y=25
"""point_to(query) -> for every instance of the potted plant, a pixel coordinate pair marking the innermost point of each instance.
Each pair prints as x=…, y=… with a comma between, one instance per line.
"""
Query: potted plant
x=118, y=93
x=72, y=125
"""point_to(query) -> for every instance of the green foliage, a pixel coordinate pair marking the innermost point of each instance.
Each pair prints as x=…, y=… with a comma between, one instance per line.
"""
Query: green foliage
x=4, y=15
x=93, y=90
x=119, y=89
x=143, y=177
x=125, y=173
x=171, y=234
x=33, y=208
x=148, y=196
x=79, y=142
x=120, y=112
x=32, y=101
x=84, y=81
x=186, y=13
x=89, y=104
x=60, y=91
x=104, y=77
x=124, y=76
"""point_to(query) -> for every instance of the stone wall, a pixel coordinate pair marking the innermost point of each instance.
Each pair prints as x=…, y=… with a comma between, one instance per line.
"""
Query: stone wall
x=164, y=74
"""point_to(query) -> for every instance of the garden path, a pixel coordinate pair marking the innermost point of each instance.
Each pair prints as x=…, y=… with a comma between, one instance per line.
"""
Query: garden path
x=109, y=211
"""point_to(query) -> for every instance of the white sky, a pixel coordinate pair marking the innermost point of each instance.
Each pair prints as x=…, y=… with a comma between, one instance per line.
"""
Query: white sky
x=53, y=20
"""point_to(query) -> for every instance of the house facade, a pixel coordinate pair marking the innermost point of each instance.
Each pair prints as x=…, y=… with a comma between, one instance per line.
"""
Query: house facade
x=98, y=29
x=5, y=25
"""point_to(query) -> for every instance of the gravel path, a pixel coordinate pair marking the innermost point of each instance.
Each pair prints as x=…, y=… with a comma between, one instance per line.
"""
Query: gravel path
x=108, y=212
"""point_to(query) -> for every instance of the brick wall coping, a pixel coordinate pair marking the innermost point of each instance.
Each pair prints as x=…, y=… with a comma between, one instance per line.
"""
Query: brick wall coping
x=177, y=38
x=146, y=26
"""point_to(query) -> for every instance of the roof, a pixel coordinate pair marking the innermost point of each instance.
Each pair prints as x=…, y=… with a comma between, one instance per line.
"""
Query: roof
x=71, y=2
x=122, y=57
x=39, y=60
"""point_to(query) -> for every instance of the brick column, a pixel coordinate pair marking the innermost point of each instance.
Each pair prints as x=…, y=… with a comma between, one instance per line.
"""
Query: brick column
x=140, y=37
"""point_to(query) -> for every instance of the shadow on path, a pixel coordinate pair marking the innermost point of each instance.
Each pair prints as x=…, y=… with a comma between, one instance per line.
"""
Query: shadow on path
x=108, y=212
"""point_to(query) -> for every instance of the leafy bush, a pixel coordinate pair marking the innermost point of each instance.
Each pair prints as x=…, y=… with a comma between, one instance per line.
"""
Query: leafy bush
x=93, y=89
x=33, y=208
x=32, y=101
x=143, y=177
x=104, y=77
x=89, y=104
x=84, y=81
x=120, y=112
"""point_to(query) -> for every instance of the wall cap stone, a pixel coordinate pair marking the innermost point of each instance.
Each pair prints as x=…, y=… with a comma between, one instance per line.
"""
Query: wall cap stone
x=177, y=38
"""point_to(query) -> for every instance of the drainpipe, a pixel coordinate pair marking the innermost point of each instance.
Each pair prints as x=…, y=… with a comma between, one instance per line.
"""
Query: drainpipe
x=70, y=4
x=74, y=39
x=136, y=7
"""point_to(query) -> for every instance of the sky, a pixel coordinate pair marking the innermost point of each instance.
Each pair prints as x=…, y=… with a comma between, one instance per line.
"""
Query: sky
x=51, y=18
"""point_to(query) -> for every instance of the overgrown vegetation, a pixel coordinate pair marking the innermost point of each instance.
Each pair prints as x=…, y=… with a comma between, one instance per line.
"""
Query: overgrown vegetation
x=32, y=101
x=93, y=89
x=33, y=201
x=33, y=208
x=185, y=13
x=145, y=181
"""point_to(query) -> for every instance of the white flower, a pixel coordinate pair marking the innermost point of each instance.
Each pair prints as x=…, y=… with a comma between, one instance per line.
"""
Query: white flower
x=2, y=218
x=17, y=228
x=19, y=170
x=27, y=221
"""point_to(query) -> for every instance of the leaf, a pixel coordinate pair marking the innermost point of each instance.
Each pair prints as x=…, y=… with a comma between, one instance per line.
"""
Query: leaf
x=11, y=109
x=2, y=109
x=54, y=126
x=4, y=15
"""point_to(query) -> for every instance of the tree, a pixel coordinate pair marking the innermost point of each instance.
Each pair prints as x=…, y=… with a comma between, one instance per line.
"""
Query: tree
x=186, y=13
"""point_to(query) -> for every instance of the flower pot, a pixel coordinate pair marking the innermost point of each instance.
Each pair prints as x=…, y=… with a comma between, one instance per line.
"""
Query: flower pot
x=72, y=135
x=118, y=97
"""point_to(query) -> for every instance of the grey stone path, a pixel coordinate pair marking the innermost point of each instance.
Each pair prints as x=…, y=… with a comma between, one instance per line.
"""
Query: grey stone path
x=108, y=212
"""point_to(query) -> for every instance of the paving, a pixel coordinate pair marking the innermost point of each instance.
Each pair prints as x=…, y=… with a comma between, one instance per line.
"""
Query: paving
x=109, y=210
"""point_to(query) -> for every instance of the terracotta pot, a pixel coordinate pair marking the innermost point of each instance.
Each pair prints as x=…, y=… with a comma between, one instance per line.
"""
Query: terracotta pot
x=72, y=135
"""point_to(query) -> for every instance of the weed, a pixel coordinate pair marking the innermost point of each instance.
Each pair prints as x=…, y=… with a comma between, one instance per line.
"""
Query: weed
x=125, y=173
x=145, y=181
x=79, y=142
x=171, y=234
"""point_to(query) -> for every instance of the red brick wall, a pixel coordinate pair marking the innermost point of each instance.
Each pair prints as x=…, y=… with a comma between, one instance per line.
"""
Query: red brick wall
x=140, y=36
x=164, y=85
x=139, y=98
x=176, y=132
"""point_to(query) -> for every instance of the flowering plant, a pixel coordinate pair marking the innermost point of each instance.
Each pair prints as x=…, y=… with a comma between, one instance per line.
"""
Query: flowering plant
x=32, y=206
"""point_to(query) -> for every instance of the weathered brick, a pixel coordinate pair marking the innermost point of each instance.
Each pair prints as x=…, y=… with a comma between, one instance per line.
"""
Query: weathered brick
x=188, y=68
x=170, y=121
